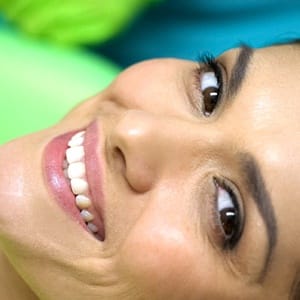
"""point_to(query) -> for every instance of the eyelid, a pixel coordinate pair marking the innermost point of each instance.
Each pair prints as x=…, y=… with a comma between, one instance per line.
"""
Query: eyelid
x=207, y=63
x=233, y=261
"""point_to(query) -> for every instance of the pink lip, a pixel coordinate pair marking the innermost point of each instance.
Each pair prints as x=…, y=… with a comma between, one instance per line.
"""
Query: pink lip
x=59, y=186
x=94, y=173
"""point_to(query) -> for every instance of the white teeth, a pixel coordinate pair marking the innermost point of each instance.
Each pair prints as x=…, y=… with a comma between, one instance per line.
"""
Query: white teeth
x=86, y=215
x=77, y=139
x=75, y=154
x=76, y=170
x=76, y=142
x=92, y=227
x=79, y=186
x=83, y=201
x=79, y=134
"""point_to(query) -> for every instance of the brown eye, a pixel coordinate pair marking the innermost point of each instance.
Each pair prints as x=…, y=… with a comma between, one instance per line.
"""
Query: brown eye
x=210, y=91
x=229, y=221
x=229, y=217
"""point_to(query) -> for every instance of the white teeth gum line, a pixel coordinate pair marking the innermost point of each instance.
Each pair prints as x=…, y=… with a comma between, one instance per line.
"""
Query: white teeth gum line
x=74, y=170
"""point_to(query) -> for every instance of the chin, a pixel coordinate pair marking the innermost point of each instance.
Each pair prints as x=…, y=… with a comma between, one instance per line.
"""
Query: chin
x=42, y=240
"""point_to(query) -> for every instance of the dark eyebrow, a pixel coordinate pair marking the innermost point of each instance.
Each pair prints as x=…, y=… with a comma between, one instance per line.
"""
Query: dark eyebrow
x=261, y=196
x=239, y=69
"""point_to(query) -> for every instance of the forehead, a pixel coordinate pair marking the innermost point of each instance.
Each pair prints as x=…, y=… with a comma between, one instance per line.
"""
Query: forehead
x=270, y=102
x=266, y=110
x=269, y=98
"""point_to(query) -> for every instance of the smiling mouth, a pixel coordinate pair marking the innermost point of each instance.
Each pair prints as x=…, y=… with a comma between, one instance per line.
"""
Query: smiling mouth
x=75, y=171
x=75, y=179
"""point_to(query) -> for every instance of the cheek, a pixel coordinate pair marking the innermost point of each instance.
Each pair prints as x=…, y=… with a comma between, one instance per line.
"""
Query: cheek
x=164, y=93
x=158, y=258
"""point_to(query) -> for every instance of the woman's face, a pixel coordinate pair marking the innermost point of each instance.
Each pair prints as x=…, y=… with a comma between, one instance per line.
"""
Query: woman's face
x=195, y=195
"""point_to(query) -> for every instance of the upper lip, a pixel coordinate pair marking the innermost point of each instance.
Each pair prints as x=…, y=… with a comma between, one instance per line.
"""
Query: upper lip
x=94, y=170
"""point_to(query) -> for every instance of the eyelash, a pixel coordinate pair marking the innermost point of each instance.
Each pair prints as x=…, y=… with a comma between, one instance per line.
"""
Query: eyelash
x=208, y=63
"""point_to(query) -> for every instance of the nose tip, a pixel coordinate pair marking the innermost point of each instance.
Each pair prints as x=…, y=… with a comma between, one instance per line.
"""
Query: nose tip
x=134, y=138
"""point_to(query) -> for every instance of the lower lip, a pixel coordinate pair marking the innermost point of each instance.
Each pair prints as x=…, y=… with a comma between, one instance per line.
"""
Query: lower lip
x=53, y=161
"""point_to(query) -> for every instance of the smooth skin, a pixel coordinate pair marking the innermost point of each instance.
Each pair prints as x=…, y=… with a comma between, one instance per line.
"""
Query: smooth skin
x=160, y=155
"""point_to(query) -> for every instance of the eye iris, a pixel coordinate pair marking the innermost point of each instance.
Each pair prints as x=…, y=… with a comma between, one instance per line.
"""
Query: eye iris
x=210, y=91
x=229, y=220
x=211, y=97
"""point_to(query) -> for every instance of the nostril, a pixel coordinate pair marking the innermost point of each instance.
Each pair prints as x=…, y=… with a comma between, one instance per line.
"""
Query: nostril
x=129, y=173
x=121, y=165
x=120, y=160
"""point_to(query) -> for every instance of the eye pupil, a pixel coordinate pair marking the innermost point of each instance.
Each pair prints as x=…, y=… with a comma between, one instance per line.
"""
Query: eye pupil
x=211, y=97
x=229, y=220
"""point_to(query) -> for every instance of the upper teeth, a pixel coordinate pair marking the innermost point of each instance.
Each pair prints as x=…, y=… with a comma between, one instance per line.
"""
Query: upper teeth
x=74, y=169
x=75, y=153
x=83, y=201
x=79, y=186
x=77, y=139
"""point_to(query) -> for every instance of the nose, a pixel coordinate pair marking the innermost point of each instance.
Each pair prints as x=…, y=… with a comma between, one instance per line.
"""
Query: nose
x=137, y=140
x=151, y=146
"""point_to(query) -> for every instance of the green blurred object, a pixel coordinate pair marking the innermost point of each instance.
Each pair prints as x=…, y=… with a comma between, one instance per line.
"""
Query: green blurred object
x=40, y=82
x=72, y=21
